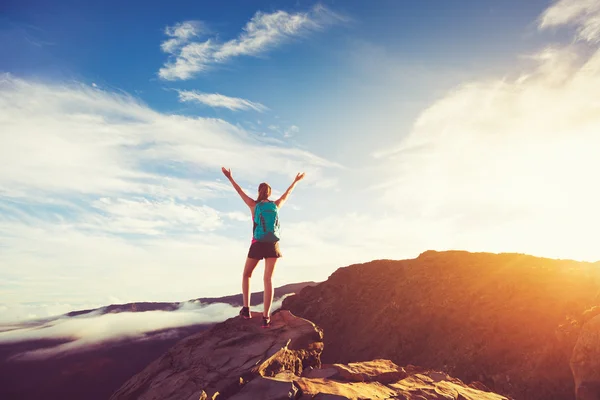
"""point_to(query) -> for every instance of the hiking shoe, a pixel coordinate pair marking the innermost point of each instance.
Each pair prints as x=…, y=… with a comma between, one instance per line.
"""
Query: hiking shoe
x=245, y=313
x=266, y=322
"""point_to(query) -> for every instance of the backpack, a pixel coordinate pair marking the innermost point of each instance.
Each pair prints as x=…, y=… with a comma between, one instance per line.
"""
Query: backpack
x=266, y=219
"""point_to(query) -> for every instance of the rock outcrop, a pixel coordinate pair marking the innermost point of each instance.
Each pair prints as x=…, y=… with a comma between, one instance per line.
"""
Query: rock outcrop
x=483, y=317
x=227, y=356
x=238, y=360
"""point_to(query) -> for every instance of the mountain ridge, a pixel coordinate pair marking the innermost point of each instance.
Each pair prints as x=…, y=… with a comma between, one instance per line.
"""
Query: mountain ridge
x=496, y=318
x=235, y=300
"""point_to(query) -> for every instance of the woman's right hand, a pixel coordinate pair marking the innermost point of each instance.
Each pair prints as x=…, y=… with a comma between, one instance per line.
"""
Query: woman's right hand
x=299, y=177
x=226, y=172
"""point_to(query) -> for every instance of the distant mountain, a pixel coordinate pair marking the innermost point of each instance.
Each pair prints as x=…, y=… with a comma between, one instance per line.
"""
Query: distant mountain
x=235, y=300
x=507, y=320
x=96, y=372
x=257, y=298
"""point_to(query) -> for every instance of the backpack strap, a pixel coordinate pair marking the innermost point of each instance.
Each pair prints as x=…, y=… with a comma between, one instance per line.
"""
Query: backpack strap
x=257, y=209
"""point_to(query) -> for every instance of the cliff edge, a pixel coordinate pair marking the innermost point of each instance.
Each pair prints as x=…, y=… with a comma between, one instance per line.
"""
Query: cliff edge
x=237, y=359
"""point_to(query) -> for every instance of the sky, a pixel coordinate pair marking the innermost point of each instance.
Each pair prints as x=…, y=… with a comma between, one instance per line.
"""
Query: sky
x=420, y=125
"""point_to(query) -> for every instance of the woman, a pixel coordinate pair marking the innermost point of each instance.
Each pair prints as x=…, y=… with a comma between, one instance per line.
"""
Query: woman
x=260, y=249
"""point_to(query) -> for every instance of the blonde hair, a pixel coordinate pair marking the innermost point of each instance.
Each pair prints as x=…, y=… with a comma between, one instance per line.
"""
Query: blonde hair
x=264, y=191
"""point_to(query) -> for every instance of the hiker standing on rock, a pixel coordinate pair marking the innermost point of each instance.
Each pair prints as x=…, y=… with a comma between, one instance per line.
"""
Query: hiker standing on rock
x=265, y=241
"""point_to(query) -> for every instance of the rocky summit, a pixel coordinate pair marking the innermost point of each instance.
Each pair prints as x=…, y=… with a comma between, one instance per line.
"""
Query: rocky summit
x=237, y=359
x=511, y=321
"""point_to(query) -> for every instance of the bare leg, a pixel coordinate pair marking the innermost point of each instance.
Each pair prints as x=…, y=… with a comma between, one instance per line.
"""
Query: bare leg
x=268, y=297
x=251, y=263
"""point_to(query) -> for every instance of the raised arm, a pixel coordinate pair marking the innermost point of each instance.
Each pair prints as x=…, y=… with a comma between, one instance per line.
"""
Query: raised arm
x=279, y=202
x=249, y=202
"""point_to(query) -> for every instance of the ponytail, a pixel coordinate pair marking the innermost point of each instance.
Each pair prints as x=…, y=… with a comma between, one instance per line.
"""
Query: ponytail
x=264, y=191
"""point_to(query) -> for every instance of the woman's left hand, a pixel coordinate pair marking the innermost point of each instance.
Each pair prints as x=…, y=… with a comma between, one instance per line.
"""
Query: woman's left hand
x=226, y=172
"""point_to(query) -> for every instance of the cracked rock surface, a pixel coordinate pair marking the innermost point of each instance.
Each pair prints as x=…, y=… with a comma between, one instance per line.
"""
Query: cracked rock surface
x=226, y=357
x=239, y=360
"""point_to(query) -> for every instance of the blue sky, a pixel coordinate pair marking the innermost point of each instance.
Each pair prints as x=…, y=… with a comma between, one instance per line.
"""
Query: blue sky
x=420, y=124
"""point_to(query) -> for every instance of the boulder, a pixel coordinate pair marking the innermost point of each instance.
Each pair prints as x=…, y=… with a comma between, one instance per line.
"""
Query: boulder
x=383, y=371
x=366, y=380
x=282, y=386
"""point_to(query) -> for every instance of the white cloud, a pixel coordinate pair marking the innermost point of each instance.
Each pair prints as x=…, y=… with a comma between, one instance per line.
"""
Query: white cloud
x=140, y=215
x=12, y=315
x=79, y=261
x=180, y=33
x=584, y=14
x=288, y=132
x=219, y=100
x=190, y=59
x=97, y=142
x=263, y=32
x=507, y=164
x=291, y=131
x=99, y=195
x=93, y=329
x=238, y=216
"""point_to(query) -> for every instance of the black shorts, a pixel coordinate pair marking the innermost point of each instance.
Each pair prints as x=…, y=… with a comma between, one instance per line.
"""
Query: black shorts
x=260, y=250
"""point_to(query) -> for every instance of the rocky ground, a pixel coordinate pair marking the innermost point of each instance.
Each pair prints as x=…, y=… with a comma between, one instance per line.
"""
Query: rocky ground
x=508, y=320
x=239, y=360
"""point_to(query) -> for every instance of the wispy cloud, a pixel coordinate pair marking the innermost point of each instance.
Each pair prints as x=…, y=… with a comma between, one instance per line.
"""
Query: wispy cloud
x=32, y=34
x=288, y=132
x=86, y=258
x=238, y=216
x=188, y=61
x=263, y=32
x=180, y=34
x=14, y=315
x=191, y=57
x=93, y=329
x=505, y=164
x=152, y=217
x=107, y=143
x=291, y=131
x=219, y=100
x=584, y=14
x=100, y=194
